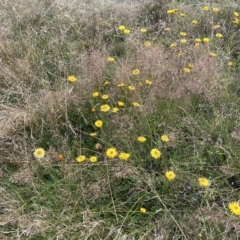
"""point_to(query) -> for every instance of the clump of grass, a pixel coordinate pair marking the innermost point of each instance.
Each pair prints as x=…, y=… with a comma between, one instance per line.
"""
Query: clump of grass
x=117, y=123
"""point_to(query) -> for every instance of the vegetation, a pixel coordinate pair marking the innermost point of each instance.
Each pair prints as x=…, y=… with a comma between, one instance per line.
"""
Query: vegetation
x=119, y=120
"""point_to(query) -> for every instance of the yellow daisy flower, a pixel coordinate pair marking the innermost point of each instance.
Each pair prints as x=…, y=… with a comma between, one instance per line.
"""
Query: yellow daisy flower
x=141, y=139
x=93, y=159
x=95, y=94
x=111, y=152
x=124, y=156
x=165, y=138
x=147, y=44
x=170, y=175
x=105, y=96
x=155, y=153
x=203, y=182
x=120, y=104
x=122, y=27
x=143, y=210
x=234, y=208
x=105, y=108
x=81, y=158
x=135, y=71
x=39, y=153
x=110, y=59
x=98, y=123
x=143, y=30
x=72, y=78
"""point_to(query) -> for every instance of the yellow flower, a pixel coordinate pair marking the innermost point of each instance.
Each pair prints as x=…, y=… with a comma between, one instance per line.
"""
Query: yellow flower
x=81, y=158
x=197, y=44
x=173, y=45
x=190, y=65
x=212, y=54
x=170, y=175
x=219, y=35
x=94, y=134
x=115, y=110
x=93, y=159
x=105, y=96
x=106, y=83
x=216, y=26
x=236, y=21
x=215, y=9
x=95, y=94
x=206, y=8
x=72, y=78
x=194, y=22
x=183, y=40
x=135, y=71
x=167, y=29
x=141, y=139
x=121, y=85
x=105, y=108
x=132, y=88
x=165, y=138
x=39, y=153
x=126, y=31
x=148, y=82
x=230, y=63
x=124, y=156
x=155, y=153
x=187, y=70
x=182, y=14
x=135, y=104
x=234, y=208
x=172, y=11
x=143, y=30
x=143, y=210
x=110, y=59
x=121, y=27
x=183, y=34
x=120, y=104
x=111, y=152
x=236, y=14
x=147, y=44
x=203, y=182
x=205, y=40
x=98, y=123
x=198, y=40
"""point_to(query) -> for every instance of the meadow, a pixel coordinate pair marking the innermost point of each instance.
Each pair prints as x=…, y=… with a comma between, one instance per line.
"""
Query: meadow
x=119, y=119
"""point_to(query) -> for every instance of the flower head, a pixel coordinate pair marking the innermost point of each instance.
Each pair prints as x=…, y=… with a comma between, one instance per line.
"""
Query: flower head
x=236, y=14
x=148, y=82
x=143, y=210
x=72, y=78
x=95, y=94
x=198, y=40
x=120, y=104
x=105, y=108
x=105, y=96
x=183, y=40
x=187, y=70
x=203, y=182
x=135, y=71
x=212, y=54
x=98, y=123
x=234, y=208
x=115, y=109
x=206, y=8
x=93, y=159
x=39, y=153
x=206, y=40
x=126, y=31
x=81, y=158
x=219, y=35
x=132, y=88
x=121, y=27
x=147, y=44
x=155, y=153
x=143, y=30
x=141, y=139
x=60, y=156
x=93, y=134
x=194, y=22
x=167, y=29
x=170, y=175
x=111, y=152
x=136, y=104
x=165, y=138
x=110, y=59
x=173, y=45
x=230, y=63
x=182, y=14
x=121, y=85
x=183, y=34
x=124, y=156
x=215, y=9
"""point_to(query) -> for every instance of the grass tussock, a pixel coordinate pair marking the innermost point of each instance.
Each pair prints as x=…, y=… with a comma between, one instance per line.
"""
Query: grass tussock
x=119, y=120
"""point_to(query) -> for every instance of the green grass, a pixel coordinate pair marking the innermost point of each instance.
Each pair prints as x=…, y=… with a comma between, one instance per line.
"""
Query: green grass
x=60, y=198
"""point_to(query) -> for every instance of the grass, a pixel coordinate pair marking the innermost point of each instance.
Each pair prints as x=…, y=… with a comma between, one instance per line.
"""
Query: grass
x=190, y=96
